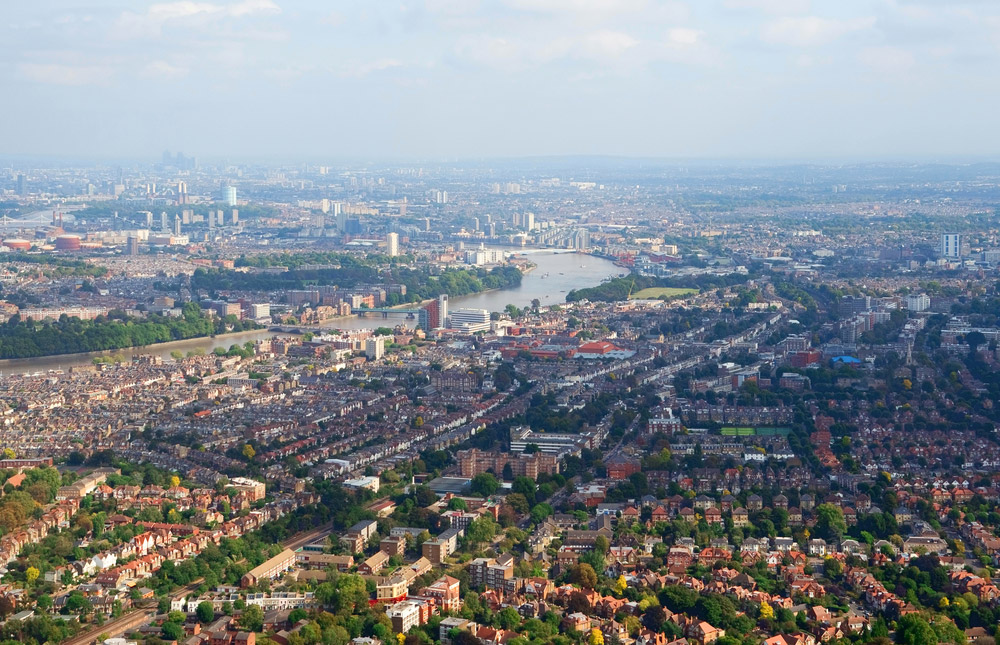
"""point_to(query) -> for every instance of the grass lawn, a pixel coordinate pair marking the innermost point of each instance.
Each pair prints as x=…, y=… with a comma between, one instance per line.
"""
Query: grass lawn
x=655, y=292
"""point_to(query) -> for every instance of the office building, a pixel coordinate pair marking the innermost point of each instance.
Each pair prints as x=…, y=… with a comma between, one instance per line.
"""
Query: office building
x=470, y=320
x=132, y=245
x=392, y=244
x=951, y=246
x=260, y=310
x=375, y=347
x=229, y=195
x=22, y=188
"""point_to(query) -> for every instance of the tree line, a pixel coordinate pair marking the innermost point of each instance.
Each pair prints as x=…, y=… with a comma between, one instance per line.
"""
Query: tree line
x=31, y=338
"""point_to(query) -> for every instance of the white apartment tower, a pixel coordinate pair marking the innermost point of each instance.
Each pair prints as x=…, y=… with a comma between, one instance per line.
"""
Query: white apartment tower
x=951, y=246
x=375, y=348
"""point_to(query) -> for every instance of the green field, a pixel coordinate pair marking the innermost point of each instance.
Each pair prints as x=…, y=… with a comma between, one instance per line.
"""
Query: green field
x=656, y=292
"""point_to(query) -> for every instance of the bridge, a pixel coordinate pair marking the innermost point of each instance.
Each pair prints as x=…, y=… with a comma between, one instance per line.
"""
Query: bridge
x=419, y=314
x=387, y=311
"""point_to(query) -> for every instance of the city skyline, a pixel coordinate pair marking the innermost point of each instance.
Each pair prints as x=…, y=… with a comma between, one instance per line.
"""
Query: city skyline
x=738, y=79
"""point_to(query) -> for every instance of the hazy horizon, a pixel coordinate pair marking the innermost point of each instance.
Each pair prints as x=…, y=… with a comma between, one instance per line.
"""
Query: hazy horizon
x=731, y=81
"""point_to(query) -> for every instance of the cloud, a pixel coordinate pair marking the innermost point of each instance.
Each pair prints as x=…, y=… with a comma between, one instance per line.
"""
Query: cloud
x=812, y=31
x=886, y=59
x=188, y=12
x=364, y=69
x=773, y=7
x=61, y=74
x=607, y=44
x=592, y=9
x=683, y=36
x=163, y=70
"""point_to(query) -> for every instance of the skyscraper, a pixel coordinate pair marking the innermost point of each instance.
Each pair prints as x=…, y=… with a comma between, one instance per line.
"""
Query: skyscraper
x=22, y=188
x=177, y=225
x=132, y=245
x=443, y=307
x=392, y=244
x=375, y=347
x=529, y=221
x=229, y=195
x=951, y=246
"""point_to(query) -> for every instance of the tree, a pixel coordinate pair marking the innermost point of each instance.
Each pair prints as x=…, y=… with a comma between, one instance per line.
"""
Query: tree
x=175, y=481
x=974, y=339
x=7, y=606
x=481, y=530
x=249, y=452
x=912, y=629
x=508, y=618
x=31, y=574
x=766, y=611
x=525, y=486
x=832, y=568
x=583, y=575
x=485, y=484
x=596, y=637
x=205, y=612
x=621, y=584
x=518, y=502
x=830, y=524
x=172, y=631
x=252, y=619
x=578, y=603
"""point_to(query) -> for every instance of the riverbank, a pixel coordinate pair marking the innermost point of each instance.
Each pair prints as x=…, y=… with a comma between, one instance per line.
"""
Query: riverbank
x=206, y=344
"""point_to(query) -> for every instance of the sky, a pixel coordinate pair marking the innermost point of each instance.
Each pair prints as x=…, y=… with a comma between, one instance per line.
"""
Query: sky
x=473, y=79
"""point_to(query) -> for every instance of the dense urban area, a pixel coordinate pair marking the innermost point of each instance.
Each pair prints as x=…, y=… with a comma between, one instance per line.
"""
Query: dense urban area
x=548, y=401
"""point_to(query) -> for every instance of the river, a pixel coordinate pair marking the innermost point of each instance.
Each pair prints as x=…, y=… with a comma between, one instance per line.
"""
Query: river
x=555, y=274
